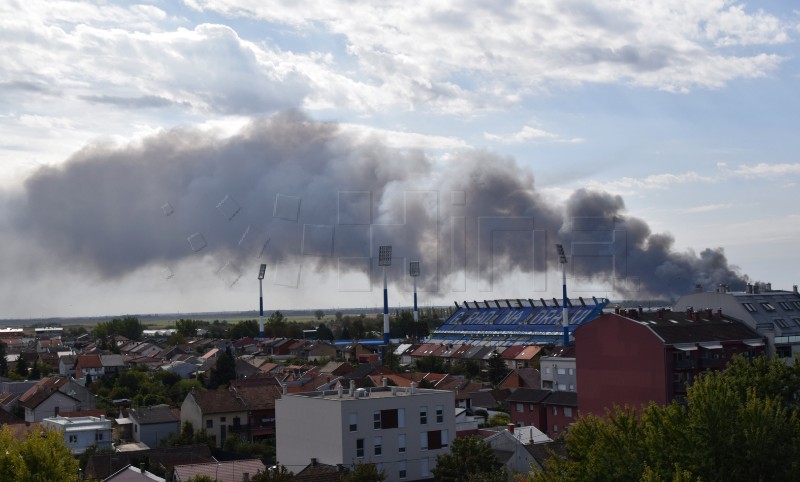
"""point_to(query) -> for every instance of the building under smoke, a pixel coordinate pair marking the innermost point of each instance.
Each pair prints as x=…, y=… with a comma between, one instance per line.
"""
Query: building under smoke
x=514, y=322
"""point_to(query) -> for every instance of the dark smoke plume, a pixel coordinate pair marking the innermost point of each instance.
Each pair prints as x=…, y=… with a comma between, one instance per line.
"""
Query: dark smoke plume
x=288, y=188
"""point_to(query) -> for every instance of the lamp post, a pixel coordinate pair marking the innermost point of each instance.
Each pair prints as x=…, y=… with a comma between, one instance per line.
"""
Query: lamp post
x=562, y=258
x=384, y=260
x=261, y=270
x=413, y=270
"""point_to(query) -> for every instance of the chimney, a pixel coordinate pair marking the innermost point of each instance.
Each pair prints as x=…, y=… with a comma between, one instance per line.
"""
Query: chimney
x=313, y=461
x=413, y=387
x=616, y=309
x=510, y=427
x=660, y=314
x=749, y=288
x=340, y=390
x=756, y=288
x=768, y=287
x=719, y=313
x=641, y=310
x=794, y=288
x=384, y=382
x=352, y=387
x=285, y=389
x=709, y=313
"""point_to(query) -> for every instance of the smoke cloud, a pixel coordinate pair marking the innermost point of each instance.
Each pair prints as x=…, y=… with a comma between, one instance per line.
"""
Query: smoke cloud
x=287, y=188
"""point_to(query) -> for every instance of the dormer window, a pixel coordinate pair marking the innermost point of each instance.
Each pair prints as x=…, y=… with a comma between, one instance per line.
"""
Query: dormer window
x=768, y=306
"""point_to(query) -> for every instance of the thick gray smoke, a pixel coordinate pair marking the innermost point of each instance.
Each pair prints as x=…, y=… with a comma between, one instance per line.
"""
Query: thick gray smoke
x=288, y=188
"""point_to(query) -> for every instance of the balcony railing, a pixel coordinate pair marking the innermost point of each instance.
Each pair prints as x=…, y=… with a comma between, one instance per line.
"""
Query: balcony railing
x=712, y=363
x=683, y=364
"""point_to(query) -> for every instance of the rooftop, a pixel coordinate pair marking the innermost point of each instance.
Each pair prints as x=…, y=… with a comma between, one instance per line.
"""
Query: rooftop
x=364, y=393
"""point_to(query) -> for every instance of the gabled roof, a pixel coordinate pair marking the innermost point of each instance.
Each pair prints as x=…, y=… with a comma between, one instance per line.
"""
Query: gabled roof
x=528, y=395
x=40, y=392
x=222, y=471
x=88, y=361
x=568, y=399
x=153, y=415
x=111, y=361
x=318, y=472
x=511, y=352
x=528, y=352
x=259, y=397
x=217, y=401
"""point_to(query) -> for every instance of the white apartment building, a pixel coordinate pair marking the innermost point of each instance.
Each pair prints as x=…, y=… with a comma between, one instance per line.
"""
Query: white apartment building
x=557, y=370
x=401, y=430
x=80, y=433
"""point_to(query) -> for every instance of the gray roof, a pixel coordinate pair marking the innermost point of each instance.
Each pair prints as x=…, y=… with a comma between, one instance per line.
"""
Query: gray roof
x=528, y=395
x=153, y=415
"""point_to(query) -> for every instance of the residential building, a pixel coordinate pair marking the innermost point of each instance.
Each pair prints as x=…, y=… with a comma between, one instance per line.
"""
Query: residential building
x=526, y=407
x=233, y=471
x=219, y=412
x=133, y=474
x=51, y=395
x=633, y=357
x=151, y=425
x=401, y=430
x=80, y=433
x=774, y=314
x=557, y=370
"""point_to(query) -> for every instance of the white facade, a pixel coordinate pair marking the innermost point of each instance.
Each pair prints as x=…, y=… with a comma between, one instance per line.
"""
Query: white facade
x=80, y=433
x=558, y=373
x=400, y=430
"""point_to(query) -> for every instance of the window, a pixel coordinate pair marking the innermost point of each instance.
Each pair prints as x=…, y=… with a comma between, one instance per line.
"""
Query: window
x=562, y=386
x=520, y=407
x=353, y=422
x=796, y=321
x=401, y=469
x=378, y=446
x=555, y=410
x=401, y=443
x=423, y=440
x=209, y=423
x=237, y=422
x=796, y=304
x=571, y=371
x=562, y=371
x=547, y=370
x=749, y=307
x=768, y=306
x=433, y=439
x=135, y=428
x=423, y=415
x=555, y=428
x=386, y=419
x=360, y=447
x=98, y=436
x=567, y=411
x=401, y=418
x=571, y=387
x=786, y=306
x=73, y=439
x=445, y=438
x=531, y=407
x=781, y=322
x=439, y=414
x=222, y=420
x=423, y=467
x=376, y=420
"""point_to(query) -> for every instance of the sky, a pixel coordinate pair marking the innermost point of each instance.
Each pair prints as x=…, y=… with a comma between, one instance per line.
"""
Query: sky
x=154, y=154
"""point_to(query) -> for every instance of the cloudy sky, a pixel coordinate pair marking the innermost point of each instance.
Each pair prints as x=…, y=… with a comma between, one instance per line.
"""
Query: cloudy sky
x=152, y=154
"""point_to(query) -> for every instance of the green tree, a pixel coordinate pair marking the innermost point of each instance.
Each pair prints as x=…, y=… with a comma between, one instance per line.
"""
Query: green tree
x=469, y=456
x=318, y=314
x=245, y=329
x=364, y=473
x=187, y=328
x=497, y=369
x=224, y=371
x=738, y=425
x=37, y=456
x=324, y=333
x=22, y=367
x=430, y=363
x=201, y=478
x=390, y=360
x=278, y=473
x=499, y=420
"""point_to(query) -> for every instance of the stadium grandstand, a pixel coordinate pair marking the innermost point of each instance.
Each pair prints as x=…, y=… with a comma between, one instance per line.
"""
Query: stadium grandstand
x=514, y=322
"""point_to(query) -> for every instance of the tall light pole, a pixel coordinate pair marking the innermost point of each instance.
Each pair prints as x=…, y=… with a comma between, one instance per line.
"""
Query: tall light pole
x=562, y=258
x=384, y=260
x=413, y=270
x=261, y=270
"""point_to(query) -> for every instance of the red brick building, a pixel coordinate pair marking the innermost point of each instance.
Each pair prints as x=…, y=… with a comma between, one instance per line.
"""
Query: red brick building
x=634, y=357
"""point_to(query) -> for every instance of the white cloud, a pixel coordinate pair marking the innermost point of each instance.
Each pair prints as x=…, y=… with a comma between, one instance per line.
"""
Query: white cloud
x=404, y=140
x=527, y=134
x=654, y=181
x=763, y=170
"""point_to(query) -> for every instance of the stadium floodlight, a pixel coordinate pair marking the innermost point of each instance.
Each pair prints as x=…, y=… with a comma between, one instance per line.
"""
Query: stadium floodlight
x=385, y=256
x=413, y=271
x=261, y=270
x=384, y=260
x=562, y=258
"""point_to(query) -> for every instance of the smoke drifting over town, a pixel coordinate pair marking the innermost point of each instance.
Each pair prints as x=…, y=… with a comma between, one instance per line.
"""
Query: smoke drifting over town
x=287, y=189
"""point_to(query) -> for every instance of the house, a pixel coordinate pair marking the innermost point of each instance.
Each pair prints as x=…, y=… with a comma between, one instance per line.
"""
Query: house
x=234, y=471
x=104, y=465
x=521, y=378
x=510, y=452
x=66, y=365
x=317, y=472
x=773, y=314
x=88, y=365
x=51, y=395
x=400, y=430
x=260, y=402
x=132, y=474
x=219, y=412
x=321, y=350
x=526, y=407
x=562, y=412
x=635, y=357
x=558, y=370
x=112, y=364
x=80, y=433
x=151, y=425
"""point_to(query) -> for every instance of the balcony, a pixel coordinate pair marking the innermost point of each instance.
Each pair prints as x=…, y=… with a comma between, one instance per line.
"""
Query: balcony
x=238, y=428
x=712, y=363
x=683, y=364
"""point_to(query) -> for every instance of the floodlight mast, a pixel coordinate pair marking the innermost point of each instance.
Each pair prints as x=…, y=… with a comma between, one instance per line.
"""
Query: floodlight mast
x=413, y=270
x=562, y=258
x=384, y=260
x=261, y=270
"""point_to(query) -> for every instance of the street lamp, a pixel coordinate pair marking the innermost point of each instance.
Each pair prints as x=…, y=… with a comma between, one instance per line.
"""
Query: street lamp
x=413, y=270
x=562, y=258
x=384, y=260
x=261, y=270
